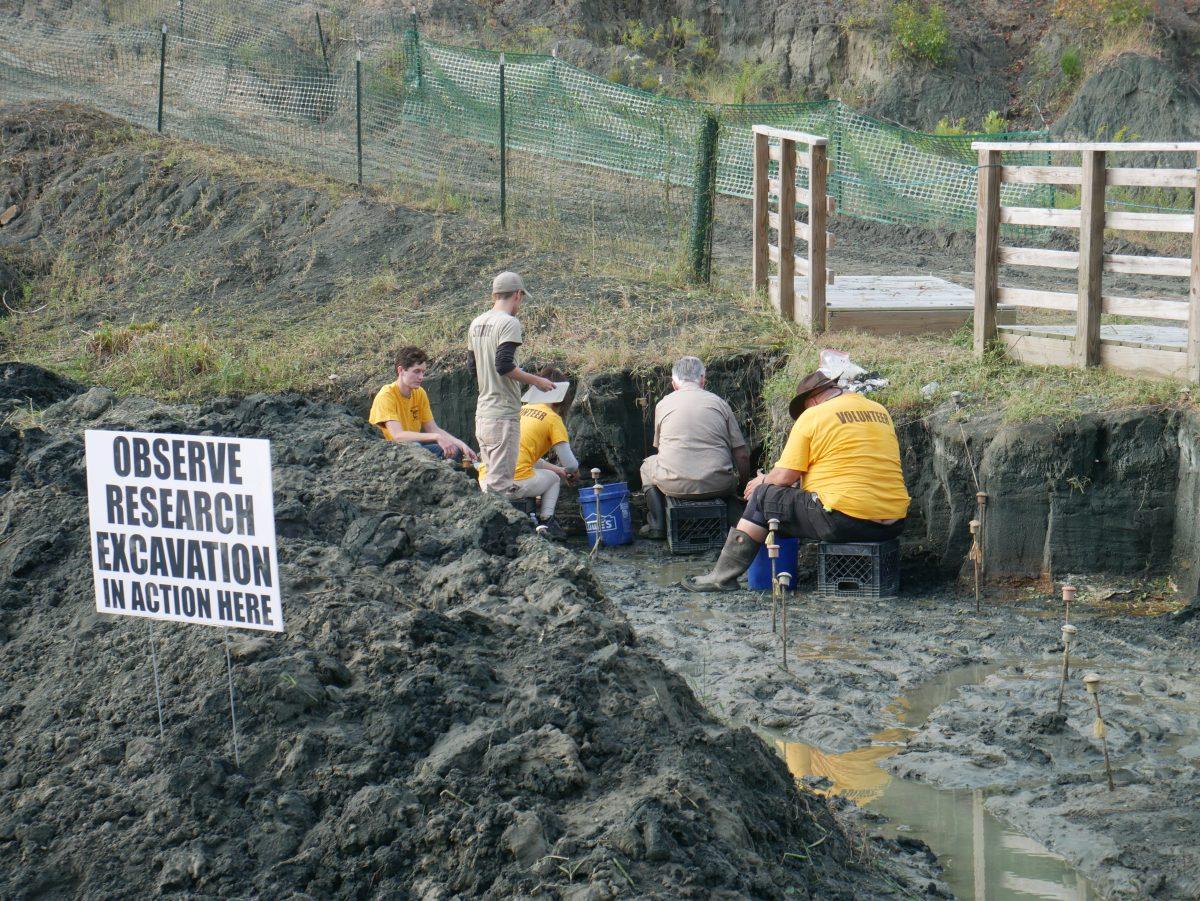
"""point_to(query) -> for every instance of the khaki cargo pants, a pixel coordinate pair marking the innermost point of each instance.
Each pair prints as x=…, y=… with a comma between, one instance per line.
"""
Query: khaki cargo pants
x=499, y=443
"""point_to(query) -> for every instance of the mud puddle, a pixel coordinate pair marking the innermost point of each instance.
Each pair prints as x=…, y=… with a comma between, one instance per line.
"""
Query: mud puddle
x=981, y=857
x=971, y=743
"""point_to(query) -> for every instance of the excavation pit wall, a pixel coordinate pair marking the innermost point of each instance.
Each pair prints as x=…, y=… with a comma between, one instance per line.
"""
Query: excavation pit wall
x=1113, y=493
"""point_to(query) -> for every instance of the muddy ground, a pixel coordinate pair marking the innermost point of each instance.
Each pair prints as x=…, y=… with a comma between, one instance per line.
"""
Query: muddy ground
x=856, y=666
x=455, y=710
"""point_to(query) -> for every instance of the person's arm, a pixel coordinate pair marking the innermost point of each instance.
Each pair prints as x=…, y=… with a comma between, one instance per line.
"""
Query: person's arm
x=778, y=476
x=506, y=365
x=741, y=460
x=397, y=432
x=471, y=367
x=447, y=442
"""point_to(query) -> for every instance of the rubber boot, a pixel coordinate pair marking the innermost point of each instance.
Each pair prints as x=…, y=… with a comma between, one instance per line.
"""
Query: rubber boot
x=656, y=515
x=737, y=555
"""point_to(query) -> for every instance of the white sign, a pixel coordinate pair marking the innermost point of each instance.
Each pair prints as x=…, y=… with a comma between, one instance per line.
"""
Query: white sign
x=183, y=528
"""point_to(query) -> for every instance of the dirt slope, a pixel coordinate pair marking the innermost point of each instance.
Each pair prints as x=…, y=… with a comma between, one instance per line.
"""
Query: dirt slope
x=455, y=709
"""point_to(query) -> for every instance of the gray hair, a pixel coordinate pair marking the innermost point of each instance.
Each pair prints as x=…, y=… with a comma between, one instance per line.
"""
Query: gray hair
x=688, y=369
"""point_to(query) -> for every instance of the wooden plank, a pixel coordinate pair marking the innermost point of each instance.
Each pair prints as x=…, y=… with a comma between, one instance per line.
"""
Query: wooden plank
x=906, y=322
x=1160, y=337
x=1138, y=265
x=1041, y=175
x=1033, y=215
x=1151, y=178
x=802, y=229
x=1139, y=361
x=787, y=233
x=1038, y=300
x=790, y=135
x=1193, y=336
x=800, y=194
x=1115, y=147
x=773, y=253
x=1091, y=260
x=1179, y=223
x=815, y=235
x=1034, y=256
x=987, y=242
x=775, y=153
x=762, y=209
x=1150, y=308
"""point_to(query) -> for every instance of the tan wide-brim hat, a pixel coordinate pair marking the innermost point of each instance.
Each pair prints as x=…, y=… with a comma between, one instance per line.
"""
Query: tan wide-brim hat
x=811, y=383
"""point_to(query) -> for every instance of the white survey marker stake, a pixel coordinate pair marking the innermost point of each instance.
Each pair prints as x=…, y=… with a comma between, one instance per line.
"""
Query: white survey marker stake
x=183, y=528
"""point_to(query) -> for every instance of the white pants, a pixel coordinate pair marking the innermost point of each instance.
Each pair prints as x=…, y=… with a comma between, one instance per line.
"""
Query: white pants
x=544, y=484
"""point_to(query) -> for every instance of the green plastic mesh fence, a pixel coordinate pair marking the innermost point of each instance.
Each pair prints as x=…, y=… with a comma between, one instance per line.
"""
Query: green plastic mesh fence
x=599, y=167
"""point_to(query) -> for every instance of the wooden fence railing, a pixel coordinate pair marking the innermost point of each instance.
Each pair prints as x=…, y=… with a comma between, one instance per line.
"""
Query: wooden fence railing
x=790, y=157
x=1180, y=359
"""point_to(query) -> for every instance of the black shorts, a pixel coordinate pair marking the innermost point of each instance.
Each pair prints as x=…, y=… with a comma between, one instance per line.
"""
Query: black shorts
x=801, y=515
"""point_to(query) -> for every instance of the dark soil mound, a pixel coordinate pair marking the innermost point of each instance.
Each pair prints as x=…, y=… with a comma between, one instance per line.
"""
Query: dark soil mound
x=455, y=710
x=30, y=387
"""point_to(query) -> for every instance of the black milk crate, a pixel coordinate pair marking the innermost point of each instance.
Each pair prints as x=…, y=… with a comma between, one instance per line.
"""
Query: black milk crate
x=865, y=569
x=696, y=525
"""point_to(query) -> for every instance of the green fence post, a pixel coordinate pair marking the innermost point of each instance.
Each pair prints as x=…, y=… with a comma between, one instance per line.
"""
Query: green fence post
x=321, y=40
x=181, y=18
x=704, y=201
x=503, y=153
x=416, y=43
x=162, y=73
x=358, y=110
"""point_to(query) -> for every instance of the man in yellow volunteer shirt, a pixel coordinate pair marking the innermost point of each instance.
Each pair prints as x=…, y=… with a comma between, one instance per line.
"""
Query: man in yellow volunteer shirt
x=838, y=479
x=401, y=410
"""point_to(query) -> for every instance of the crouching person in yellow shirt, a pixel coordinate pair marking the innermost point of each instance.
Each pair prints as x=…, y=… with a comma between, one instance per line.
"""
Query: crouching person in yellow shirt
x=838, y=480
x=401, y=410
x=543, y=431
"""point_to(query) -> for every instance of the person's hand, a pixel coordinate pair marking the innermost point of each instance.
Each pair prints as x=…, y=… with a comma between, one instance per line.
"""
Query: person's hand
x=573, y=477
x=557, y=470
x=467, y=453
x=540, y=383
x=447, y=444
x=752, y=484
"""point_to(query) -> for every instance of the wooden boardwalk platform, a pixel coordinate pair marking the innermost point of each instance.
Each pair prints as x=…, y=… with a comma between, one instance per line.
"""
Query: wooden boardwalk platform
x=893, y=305
x=1153, y=351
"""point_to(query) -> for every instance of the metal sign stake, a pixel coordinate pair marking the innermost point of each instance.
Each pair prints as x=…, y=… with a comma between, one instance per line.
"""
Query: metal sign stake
x=232, y=710
x=157, y=690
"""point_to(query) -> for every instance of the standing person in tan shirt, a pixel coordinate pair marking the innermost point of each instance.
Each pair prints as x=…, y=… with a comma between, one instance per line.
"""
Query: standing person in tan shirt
x=492, y=343
x=701, y=451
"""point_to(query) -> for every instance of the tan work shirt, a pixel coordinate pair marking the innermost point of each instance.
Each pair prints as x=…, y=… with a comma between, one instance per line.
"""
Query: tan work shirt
x=695, y=433
x=499, y=396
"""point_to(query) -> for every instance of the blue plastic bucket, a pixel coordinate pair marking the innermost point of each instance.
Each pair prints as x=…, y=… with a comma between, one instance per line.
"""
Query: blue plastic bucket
x=759, y=574
x=616, y=525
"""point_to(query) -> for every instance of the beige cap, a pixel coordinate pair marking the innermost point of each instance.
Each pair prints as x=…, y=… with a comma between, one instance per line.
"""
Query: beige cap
x=507, y=283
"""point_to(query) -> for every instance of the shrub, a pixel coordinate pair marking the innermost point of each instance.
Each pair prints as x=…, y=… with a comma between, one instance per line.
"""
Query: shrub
x=993, y=123
x=946, y=127
x=920, y=34
x=1071, y=63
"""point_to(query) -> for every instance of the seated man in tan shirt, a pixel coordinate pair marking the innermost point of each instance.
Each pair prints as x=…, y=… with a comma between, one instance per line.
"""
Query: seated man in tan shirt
x=701, y=451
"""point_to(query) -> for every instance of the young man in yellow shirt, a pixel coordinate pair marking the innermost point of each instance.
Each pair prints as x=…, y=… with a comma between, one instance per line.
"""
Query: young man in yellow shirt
x=838, y=479
x=401, y=410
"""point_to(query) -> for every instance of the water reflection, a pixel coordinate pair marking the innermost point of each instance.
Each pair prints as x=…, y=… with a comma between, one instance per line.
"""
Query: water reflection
x=982, y=857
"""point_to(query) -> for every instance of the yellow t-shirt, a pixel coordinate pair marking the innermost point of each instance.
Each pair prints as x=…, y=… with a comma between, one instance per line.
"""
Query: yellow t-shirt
x=411, y=412
x=541, y=429
x=848, y=452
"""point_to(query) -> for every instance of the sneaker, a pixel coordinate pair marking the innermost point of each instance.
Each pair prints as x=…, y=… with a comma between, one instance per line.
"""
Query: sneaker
x=652, y=534
x=554, y=529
